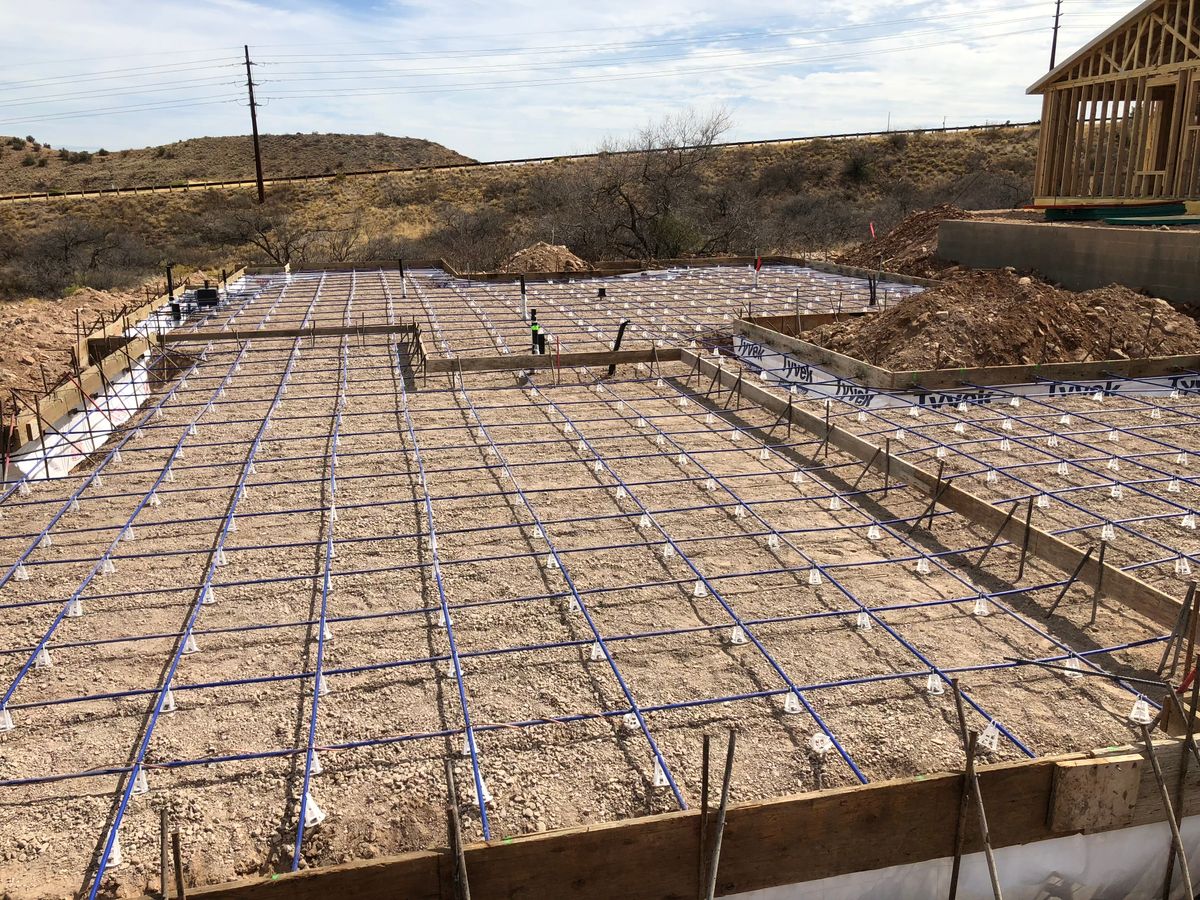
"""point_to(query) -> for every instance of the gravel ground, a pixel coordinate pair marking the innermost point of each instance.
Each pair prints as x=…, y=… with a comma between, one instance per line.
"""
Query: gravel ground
x=506, y=481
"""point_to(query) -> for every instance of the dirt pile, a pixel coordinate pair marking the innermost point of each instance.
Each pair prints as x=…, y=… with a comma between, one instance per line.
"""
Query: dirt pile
x=910, y=248
x=39, y=335
x=543, y=257
x=996, y=318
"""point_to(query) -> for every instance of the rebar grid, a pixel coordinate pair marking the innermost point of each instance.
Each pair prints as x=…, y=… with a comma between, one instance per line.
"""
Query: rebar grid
x=441, y=508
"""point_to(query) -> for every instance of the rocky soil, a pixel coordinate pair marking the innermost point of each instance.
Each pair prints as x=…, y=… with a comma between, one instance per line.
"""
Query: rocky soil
x=996, y=318
x=543, y=257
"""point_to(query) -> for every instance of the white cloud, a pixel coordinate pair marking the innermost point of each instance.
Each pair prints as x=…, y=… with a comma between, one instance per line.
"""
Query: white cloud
x=364, y=66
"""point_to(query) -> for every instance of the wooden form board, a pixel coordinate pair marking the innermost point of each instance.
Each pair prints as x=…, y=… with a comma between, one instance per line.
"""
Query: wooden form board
x=1095, y=794
x=1121, y=586
x=108, y=340
x=98, y=369
x=606, y=269
x=513, y=363
x=766, y=844
x=798, y=323
x=69, y=397
x=193, y=337
x=906, y=380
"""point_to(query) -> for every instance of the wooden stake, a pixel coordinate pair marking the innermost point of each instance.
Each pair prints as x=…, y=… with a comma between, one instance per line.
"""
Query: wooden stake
x=971, y=788
x=993, y=874
x=1189, y=659
x=887, y=464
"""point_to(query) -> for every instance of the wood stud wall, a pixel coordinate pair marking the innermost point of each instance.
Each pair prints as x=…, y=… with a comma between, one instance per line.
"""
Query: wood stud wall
x=1122, y=123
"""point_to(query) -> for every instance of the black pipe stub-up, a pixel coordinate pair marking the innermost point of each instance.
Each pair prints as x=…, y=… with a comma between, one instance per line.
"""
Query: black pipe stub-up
x=537, y=340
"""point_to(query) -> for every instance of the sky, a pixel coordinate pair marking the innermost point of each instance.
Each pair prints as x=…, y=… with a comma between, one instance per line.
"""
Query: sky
x=514, y=78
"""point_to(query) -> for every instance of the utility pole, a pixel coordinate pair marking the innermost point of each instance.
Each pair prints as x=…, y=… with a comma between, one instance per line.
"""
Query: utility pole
x=254, y=127
x=1054, y=42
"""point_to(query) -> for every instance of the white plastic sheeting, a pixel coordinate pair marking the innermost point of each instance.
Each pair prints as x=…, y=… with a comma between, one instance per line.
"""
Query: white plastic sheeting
x=1128, y=864
x=75, y=436
x=787, y=370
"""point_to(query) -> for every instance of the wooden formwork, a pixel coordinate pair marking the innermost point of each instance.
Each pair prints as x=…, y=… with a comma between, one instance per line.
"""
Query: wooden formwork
x=770, y=843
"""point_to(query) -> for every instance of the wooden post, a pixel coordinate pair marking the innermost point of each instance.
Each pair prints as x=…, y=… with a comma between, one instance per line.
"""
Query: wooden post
x=258, y=170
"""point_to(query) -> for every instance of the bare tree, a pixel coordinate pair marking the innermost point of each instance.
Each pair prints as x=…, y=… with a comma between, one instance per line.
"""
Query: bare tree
x=648, y=191
x=272, y=228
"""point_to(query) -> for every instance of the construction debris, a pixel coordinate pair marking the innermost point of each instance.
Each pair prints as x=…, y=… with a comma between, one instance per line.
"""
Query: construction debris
x=996, y=318
x=543, y=257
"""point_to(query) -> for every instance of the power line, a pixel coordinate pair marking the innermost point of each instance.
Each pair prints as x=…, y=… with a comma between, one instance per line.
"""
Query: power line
x=375, y=73
x=560, y=48
x=166, y=104
x=212, y=81
x=494, y=85
x=137, y=71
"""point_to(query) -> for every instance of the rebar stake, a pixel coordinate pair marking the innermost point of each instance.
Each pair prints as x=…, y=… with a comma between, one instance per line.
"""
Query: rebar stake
x=1070, y=581
x=1099, y=582
x=164, y=859
x=462, y=887
x=702, y=859
x=1176, y=839
x=995, y=537
x=721, y=810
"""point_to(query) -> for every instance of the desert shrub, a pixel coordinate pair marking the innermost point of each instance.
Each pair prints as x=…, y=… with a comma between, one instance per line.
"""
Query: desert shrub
x=857, y=168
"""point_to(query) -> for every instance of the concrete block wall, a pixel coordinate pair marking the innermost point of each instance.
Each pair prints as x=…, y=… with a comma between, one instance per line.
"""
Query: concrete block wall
x=1163, y=263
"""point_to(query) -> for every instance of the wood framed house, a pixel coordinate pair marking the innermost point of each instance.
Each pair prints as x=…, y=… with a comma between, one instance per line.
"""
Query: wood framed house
x=1121, y=116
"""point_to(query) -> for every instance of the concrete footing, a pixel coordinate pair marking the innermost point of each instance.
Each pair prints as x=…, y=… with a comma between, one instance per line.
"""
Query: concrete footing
x=1081, y=257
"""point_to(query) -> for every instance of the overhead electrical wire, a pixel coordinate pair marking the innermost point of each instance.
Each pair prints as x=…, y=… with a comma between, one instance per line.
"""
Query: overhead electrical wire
x=212, y=81
x=367, y=74
x=601, y=53
x=496, y=85
x=166, y=104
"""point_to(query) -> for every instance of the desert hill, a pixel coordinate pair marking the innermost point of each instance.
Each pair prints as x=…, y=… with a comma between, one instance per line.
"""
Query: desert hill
x=27, y=166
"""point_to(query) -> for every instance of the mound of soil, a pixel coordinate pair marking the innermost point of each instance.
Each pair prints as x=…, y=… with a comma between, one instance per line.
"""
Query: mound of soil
x=910, y=248
x=543, y=257
x=995, y=318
